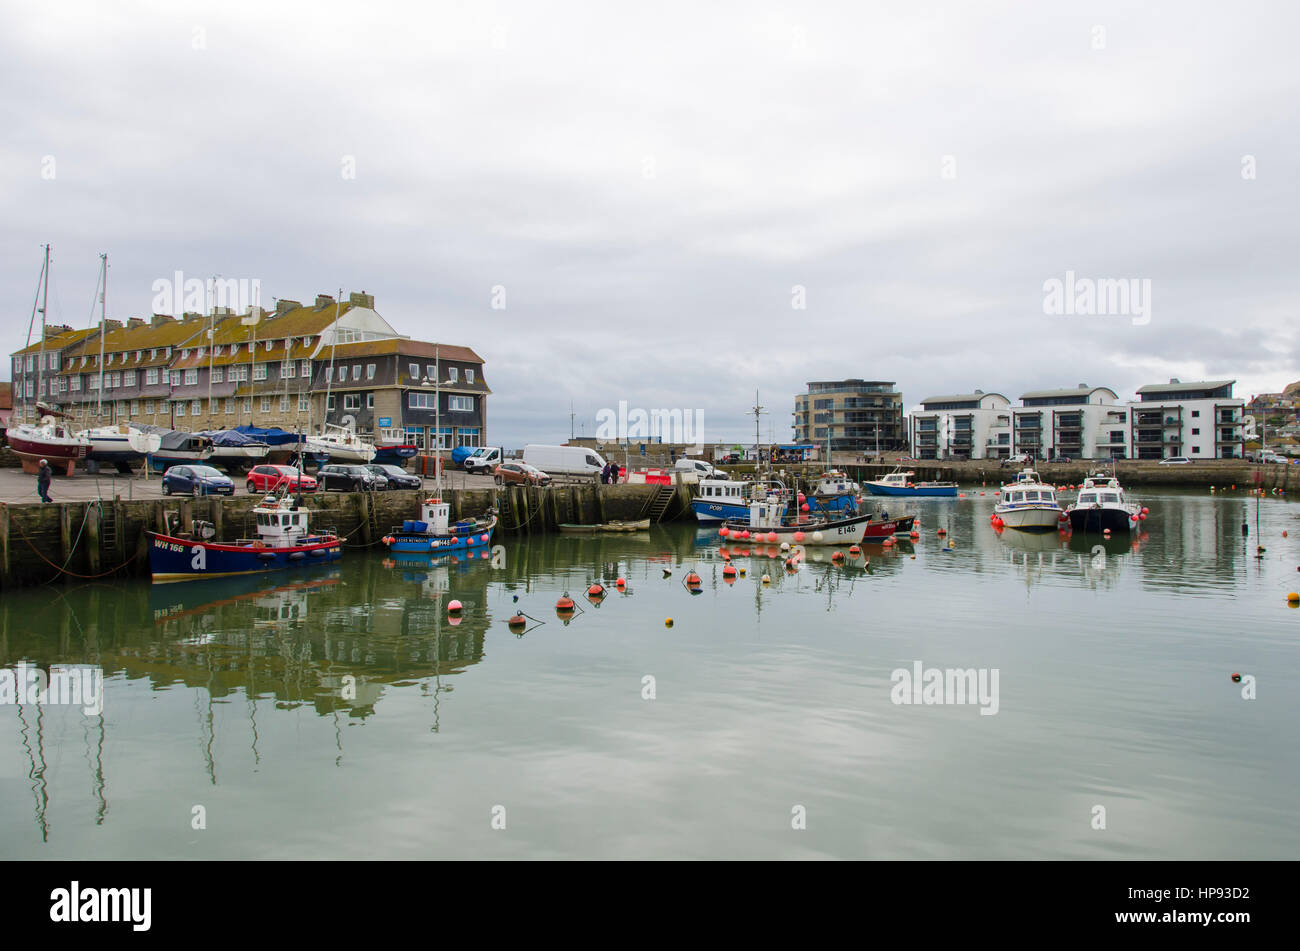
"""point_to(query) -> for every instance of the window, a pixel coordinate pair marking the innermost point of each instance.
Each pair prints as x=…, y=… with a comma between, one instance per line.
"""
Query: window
x=54, y=361
x=128, y=378
x=304, y=402
x=191, y=377
x=284, y=404
x=31, y=363
x=218, y=374
x=370, y=371
x=185, y=353
x=237, y=374
x=248, y=405
x=1196, y=413
x=415, y=371
x=196, y=407
x=468, y=437
x=288, y=369
x=176, y=377
x=1196, y=432
x=329, y=374
x=259, y=371
x=265, y=404
x=453, y=374
x=443, y=437
x=460, y=404
x=121, y=407
x=370, y=401
x=230, y=406
x=304, y=368
x=75, y=384
x=135, y=407
x=92, y=382
x=151, y=377
x=1196, y=449
x=421, y=400
x=214, y=406
x=356, y=371
x=179, y=408
x=469, y=376
x=31, y=388
x=329, y=406
x=148, y=407
x=112, y=380
x=202, y=352
x=351, y=402
x=415, y=435
x=153, y=354
x=431, y=372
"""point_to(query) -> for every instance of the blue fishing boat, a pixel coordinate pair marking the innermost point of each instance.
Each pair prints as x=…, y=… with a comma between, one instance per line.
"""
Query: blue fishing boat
x=283, y=540
x=899, y=483
x=834, y=493
x=433, y=531
x=721, y=500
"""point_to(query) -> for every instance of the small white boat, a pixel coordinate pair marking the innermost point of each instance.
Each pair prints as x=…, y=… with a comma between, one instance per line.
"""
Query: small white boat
x=899, y=483
x=49, y=440
x=1029, y=504
x=340, y=445
x=121, y=444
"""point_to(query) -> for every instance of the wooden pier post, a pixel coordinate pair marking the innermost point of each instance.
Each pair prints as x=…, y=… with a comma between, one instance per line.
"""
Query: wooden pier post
x=5, y=576
x=187, y=516
x=215, y=510
x=363, y=507
x=528, y=515
x=600, y=504
x=92, y=537
x=65, y=533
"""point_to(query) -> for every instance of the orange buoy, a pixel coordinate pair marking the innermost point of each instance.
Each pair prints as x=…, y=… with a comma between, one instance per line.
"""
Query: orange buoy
x=517, y=621
x=914, y=535
x=564, y=604
x=799, y=536
x=668, y=622
x=942, y=531
x=729, y=571
x=1293, y=597
x=620, y=583
x=837, y=557
x=724, y=531
x=692, y=579
x=854, y=550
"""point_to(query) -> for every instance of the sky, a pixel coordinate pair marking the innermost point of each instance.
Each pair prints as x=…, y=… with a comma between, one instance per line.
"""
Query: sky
x=679, y=204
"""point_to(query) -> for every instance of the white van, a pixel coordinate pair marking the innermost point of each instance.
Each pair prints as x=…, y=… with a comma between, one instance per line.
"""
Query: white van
x=565, y=460
x=701, y=469
x=485, y=459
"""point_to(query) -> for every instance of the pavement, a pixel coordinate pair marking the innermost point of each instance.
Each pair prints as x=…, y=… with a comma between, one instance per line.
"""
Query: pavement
x=17, y=487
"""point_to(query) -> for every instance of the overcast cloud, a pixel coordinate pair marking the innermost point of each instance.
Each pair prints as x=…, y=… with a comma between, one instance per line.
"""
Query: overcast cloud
x=649, y=182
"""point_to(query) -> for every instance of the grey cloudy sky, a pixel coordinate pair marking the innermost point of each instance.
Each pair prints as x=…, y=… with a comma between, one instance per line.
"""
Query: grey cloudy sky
x=649, y=182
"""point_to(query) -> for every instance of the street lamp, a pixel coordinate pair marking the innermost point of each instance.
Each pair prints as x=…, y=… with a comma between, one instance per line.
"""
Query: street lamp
x=436, y=383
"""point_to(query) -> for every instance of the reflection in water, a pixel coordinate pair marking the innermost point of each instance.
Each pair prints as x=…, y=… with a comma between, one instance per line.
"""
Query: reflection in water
x=369, y=643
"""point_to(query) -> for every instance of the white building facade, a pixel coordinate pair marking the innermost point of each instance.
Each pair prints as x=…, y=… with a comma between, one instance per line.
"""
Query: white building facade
x=1199, y=420
x=962, y=426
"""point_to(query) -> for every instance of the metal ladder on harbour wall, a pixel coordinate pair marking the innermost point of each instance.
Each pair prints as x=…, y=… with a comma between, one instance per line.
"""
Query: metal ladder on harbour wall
x=659, y=504
x=108, y=527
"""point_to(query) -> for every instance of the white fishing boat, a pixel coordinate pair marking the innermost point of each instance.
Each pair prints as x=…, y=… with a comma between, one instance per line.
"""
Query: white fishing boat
x=1028, y=504
x=120, y=444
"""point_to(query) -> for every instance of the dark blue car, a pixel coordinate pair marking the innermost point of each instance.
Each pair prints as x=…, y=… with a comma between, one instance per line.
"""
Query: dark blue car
x=196, y=481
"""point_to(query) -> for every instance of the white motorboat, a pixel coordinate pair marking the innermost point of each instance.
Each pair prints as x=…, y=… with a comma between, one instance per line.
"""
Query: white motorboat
x=1028, y=504
x=1102, y=507
x=121, y=444
x=340, y=445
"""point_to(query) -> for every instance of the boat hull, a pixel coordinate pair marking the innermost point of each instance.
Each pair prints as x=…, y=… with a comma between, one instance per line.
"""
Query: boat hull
x=424, y=544
x=394, y=455
x=185, y=559
x=717, y=511
x=1101, y=520
x=844, y=531
x=939, y=491
x=38, y=448
x=1031, y=518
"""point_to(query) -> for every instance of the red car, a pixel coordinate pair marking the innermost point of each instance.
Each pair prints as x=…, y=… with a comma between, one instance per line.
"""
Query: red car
x=271, y=478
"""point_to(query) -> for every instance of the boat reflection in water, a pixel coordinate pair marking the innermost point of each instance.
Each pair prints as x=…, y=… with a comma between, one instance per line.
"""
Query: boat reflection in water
x=1098, y=559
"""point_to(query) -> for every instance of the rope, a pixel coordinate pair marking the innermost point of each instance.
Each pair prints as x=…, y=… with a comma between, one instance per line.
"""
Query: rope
x=64, y=570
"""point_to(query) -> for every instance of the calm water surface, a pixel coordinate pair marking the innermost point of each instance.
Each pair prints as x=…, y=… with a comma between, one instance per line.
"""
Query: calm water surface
x=1114, y=666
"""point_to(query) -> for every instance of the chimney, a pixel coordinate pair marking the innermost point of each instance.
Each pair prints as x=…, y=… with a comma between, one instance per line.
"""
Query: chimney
x=223, y=311
x=362, y=299
x=107, y=325
x=323, y=301
x=284, y=305
x=159, y=319
x=53, y=330
x=190, y=315
x=134, y=322
x=1173, y=380
x=1083, y=386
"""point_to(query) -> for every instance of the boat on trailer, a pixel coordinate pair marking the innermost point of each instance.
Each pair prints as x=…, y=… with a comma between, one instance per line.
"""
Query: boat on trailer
x=284, y=540
x=434, y=532
x=899, y=482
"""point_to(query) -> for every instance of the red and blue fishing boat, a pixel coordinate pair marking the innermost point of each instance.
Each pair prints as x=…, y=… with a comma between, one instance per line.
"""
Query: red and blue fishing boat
x=434, y=533
x=284, y=540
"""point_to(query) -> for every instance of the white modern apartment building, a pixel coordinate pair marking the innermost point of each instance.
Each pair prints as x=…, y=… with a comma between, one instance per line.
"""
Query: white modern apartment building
x=963, y=426
x=1083, y=422
x=1199, y=420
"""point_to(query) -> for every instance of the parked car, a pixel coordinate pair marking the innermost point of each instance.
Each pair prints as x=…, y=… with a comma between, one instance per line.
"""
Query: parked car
x=1176, y=461
x=520, y=473
x=731, y=459
x=196, y=481
x=398, y=478
x=701, y=469
x=343, y=478
x=269, y=478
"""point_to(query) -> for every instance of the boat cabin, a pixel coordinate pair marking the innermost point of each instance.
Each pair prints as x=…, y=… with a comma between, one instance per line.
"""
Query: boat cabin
x=836, y=483
x=280, y=524
x=1028, y=494
x=1100, y=496
x=717, y=490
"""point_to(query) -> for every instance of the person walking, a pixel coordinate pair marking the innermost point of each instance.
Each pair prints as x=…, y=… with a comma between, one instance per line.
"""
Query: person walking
x=43, y=479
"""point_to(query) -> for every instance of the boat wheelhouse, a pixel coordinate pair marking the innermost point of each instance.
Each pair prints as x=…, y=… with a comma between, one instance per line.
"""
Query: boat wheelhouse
x=720, y=500
x=834, y=492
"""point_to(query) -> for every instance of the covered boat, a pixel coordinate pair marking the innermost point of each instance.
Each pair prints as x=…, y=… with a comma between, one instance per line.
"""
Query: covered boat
x=176, y=447
x=282, y=446
x=236, y=451
x=283, y=540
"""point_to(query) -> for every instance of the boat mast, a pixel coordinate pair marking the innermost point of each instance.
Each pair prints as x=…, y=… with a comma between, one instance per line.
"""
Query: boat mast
x=212, y=337
x=334, y=348
x=103, y=329
x=437, y=421
x=40, y=366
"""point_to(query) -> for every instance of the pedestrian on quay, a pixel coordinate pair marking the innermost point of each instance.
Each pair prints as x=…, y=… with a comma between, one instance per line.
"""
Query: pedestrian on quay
x=43, y=479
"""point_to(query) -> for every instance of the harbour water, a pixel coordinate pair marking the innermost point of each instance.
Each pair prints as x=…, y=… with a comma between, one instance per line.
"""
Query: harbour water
x=343, y=715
